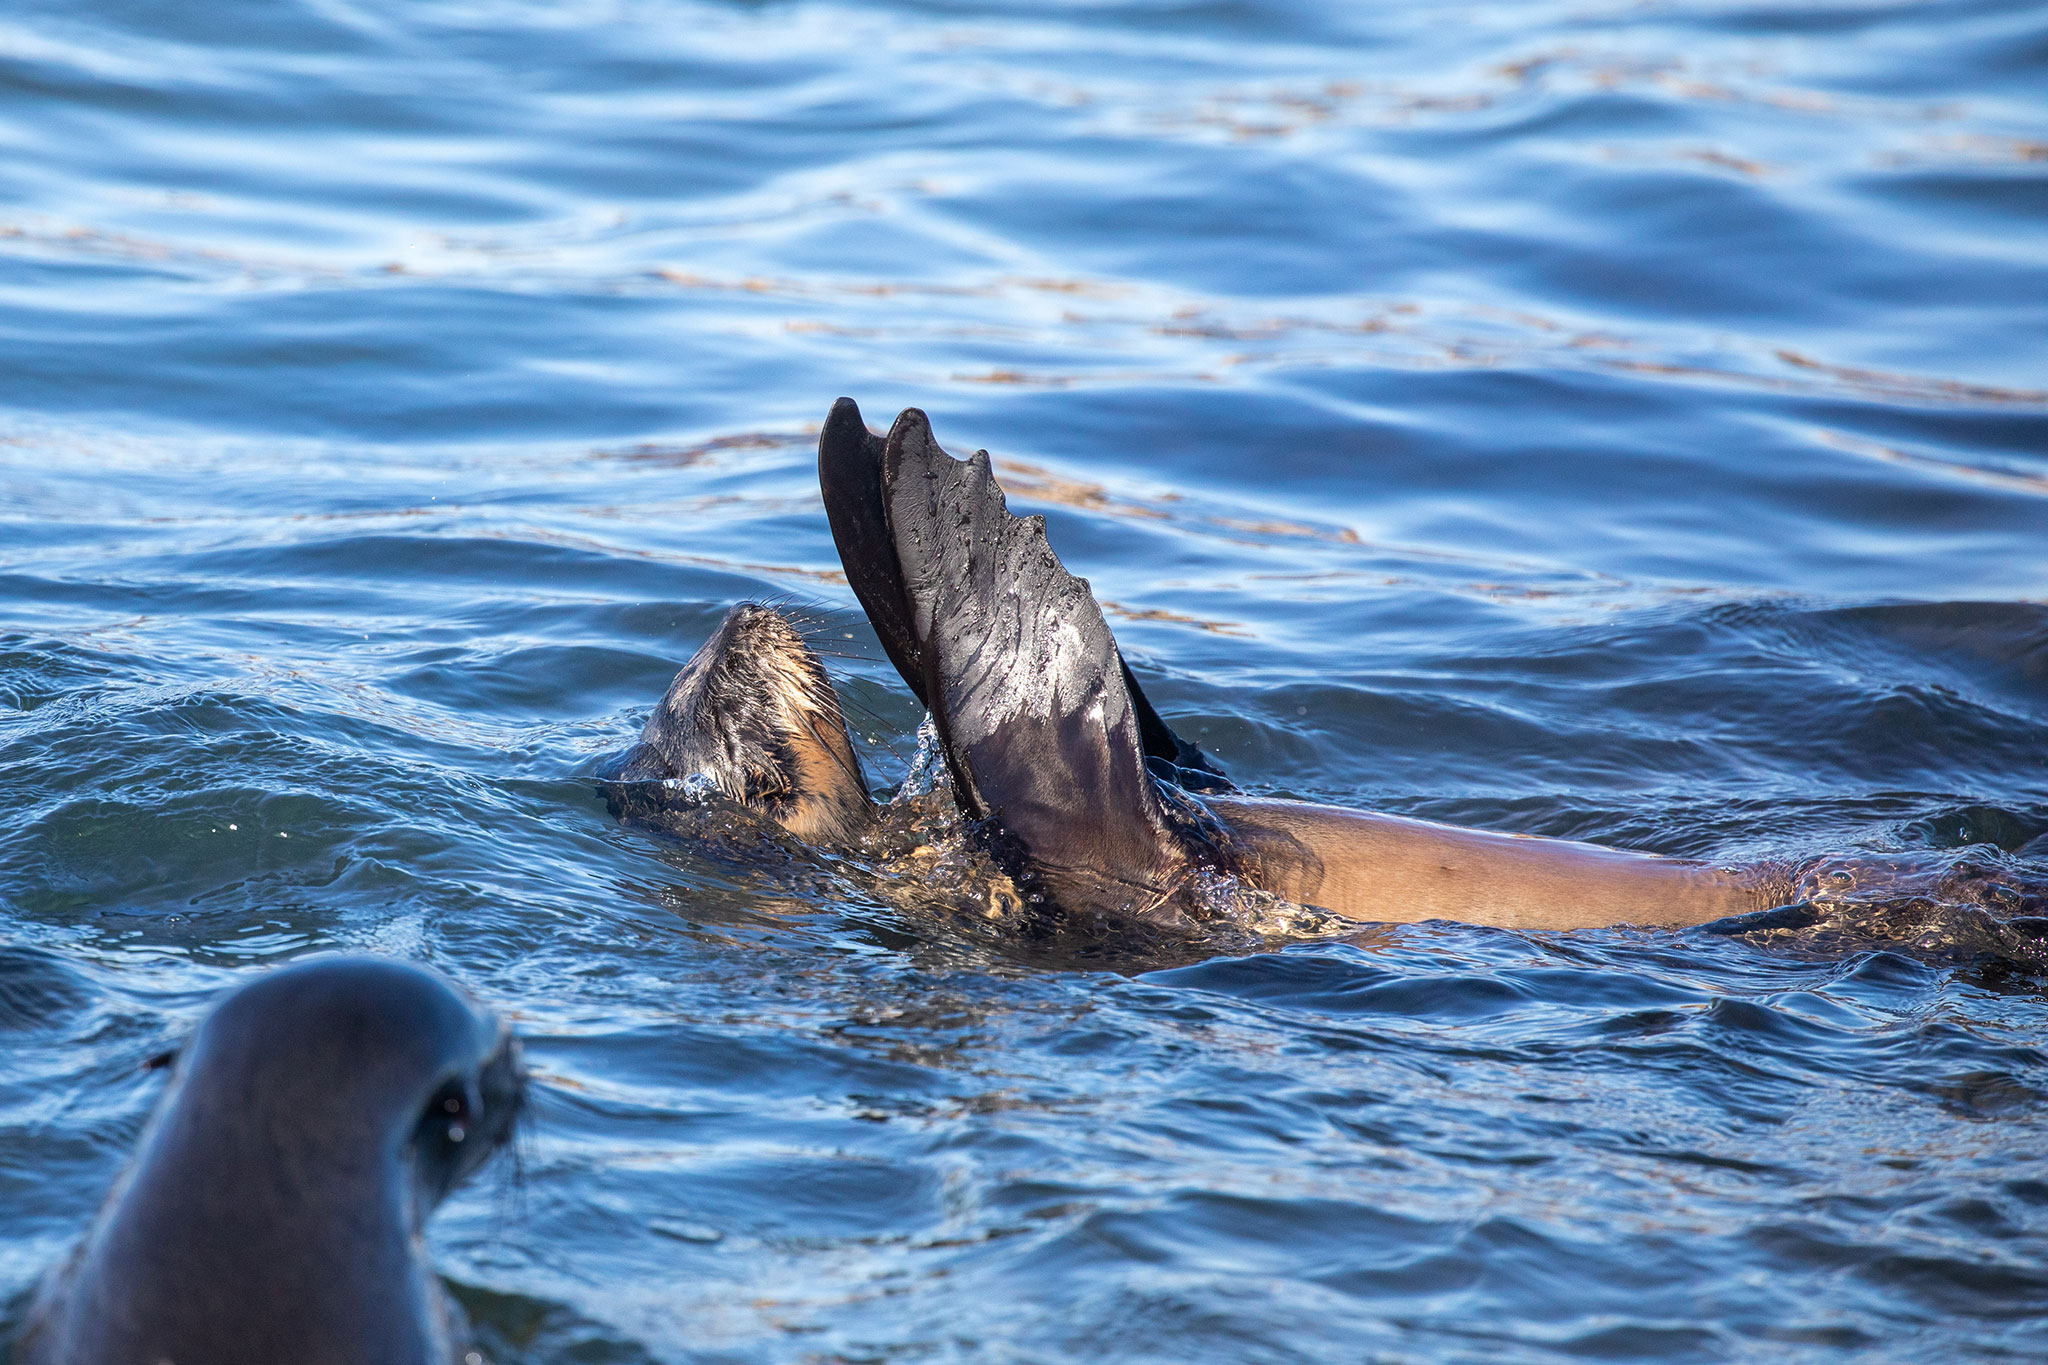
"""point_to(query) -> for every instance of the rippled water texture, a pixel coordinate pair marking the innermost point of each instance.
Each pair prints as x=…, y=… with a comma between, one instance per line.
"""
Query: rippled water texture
x=1620, y=421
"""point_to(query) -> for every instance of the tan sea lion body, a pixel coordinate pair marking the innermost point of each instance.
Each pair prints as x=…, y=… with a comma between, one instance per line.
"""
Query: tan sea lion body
x=1390, y=868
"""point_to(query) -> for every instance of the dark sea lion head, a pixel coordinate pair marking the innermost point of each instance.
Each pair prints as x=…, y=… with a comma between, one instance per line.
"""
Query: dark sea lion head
x=753, y=717
x=378, y=1054
x=273, y=1208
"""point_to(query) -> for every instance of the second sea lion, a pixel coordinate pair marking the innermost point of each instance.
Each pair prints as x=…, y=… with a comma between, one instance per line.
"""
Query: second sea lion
x=273, y=1207
x=1077, y=795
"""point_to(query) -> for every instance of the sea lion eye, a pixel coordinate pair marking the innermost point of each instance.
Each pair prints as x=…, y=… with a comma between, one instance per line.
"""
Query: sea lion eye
x=448, y=1112
x=441, y=1142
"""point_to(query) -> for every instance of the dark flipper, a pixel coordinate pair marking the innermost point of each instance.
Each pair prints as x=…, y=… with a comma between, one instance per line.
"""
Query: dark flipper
x=850, y=475
x=1025, y=686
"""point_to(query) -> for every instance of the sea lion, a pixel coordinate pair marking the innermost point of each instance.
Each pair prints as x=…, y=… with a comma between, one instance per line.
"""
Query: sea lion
x=1079, y=799
x=272, y=1210
x=752, y=717
x=1041, y=730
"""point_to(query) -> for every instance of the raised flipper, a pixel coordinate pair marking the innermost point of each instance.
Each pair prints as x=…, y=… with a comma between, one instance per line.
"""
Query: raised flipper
x=850, y=475
x=1026, y=689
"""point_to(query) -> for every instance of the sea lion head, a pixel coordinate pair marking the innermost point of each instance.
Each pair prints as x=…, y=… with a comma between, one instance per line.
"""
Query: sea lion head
x=753, y=717
x=273, y=1207
x=369, y=1051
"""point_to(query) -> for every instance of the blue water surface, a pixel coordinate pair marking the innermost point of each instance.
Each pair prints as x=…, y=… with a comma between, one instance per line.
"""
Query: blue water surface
x=1622, y=421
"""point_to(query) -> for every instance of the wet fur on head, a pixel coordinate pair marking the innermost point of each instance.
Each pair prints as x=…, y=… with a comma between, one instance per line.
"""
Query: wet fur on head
x=753, y=713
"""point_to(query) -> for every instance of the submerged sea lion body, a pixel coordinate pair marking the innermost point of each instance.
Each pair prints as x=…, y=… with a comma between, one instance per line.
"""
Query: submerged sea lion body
x=272, y=1210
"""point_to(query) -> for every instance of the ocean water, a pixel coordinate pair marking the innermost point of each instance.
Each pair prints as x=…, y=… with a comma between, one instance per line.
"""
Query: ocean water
x=1622, y=421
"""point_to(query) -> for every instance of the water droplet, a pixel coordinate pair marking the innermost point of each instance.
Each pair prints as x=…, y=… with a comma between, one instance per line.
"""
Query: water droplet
x=928, y=764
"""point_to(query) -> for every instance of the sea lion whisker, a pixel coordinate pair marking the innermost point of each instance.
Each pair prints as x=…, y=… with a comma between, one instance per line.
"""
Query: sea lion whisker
x=508, y=1201
x=803, y=613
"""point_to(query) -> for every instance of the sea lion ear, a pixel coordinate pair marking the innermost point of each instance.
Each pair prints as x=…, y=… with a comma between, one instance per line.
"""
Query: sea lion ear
x=850, y=477
x=1025, y=686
